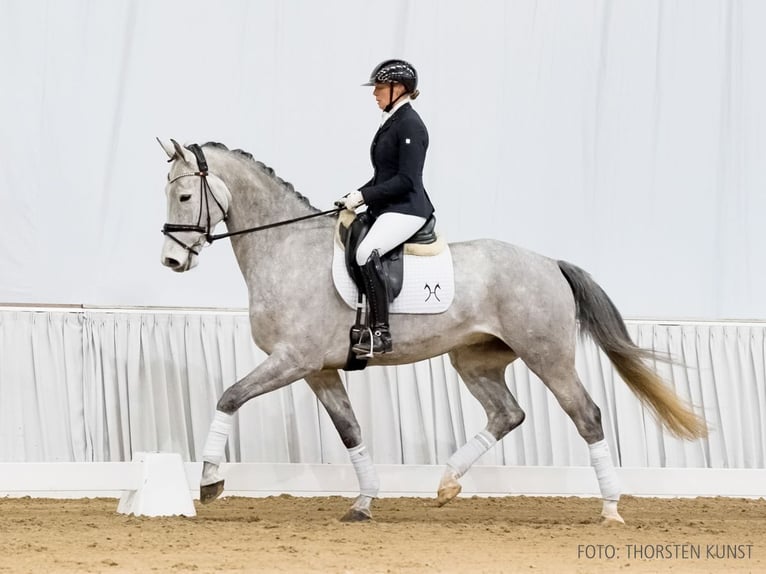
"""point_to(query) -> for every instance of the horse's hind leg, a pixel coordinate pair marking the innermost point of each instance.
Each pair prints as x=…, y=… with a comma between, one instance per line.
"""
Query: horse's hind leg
x=329, y=389
x=482, y=368
x=559, y=375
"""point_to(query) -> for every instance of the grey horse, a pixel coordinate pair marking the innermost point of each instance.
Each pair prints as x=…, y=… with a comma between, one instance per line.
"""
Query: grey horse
x=509, y=304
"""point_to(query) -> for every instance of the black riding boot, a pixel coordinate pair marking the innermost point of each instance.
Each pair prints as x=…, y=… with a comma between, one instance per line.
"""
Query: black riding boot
x=376, y=289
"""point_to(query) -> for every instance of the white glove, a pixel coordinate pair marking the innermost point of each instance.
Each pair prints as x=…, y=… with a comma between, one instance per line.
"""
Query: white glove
x=351, y=201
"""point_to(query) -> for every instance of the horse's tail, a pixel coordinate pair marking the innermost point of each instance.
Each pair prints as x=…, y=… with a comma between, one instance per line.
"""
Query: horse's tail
x=599, y=317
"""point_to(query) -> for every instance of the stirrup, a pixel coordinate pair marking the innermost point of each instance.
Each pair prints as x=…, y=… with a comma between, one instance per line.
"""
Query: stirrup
x=362, y=349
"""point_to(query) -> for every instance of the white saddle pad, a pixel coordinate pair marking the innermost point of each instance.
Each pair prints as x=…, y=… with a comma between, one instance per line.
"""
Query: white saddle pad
x=428, y=284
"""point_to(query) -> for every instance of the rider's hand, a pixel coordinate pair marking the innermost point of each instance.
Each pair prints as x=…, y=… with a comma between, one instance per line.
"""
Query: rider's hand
x=351, y=201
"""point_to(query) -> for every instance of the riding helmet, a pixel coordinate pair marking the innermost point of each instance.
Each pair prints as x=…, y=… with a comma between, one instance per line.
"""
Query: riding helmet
x=392, y=72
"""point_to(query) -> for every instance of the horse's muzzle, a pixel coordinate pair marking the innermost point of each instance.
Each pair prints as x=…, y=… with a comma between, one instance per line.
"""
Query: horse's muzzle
x=180, y=266
x=174, y=264
x=177, y=259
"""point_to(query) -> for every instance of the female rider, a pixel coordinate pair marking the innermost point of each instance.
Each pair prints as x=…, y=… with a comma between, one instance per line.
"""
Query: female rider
x=395, y=195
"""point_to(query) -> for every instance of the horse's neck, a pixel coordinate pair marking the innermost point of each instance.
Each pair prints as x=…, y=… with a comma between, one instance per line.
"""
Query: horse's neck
x=259, y=199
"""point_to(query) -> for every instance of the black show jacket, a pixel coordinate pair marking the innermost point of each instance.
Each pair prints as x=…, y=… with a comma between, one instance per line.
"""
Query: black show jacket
x=398, y=153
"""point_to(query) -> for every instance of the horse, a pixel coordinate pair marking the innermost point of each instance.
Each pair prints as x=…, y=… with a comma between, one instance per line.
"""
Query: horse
x=509, y=303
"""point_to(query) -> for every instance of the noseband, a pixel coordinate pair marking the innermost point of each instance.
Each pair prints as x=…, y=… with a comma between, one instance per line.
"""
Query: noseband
x=204, y=193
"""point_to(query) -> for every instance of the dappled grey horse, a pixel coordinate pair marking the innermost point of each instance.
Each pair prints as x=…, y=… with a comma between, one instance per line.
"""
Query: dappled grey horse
x=509, y=303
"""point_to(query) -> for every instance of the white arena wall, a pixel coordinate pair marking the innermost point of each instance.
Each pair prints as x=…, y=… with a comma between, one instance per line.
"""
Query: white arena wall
x=88, y=388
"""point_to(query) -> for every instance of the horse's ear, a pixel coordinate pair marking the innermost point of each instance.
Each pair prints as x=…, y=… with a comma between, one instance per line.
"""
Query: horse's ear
x=176, y=151
x=184, y=153
x=169, y=149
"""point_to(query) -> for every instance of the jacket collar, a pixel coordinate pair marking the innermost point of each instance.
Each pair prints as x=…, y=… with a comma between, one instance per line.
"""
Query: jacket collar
x=388, y=115
x=394, y=116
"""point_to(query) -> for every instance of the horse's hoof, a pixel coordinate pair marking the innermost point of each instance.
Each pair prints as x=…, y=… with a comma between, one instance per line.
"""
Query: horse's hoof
x=611, y=519
x=209, y=492
x=447, y=493
x=356, y=515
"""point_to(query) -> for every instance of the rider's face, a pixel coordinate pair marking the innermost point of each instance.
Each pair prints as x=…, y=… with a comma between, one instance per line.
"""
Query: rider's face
x=382, y=93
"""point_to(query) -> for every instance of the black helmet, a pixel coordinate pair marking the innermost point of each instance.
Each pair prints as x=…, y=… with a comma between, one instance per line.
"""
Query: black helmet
x=394, y=71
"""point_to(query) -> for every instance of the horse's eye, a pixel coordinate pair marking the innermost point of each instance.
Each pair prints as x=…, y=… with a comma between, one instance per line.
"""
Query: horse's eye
x=185, y=197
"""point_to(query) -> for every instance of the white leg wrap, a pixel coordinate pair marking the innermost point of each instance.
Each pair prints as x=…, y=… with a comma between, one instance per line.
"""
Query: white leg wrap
x=601, y=461
x=369, y=483
x=470, y=452
x=215, y=445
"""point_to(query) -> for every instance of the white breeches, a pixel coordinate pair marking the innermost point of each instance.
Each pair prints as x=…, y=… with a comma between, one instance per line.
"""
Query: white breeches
x=388, y=231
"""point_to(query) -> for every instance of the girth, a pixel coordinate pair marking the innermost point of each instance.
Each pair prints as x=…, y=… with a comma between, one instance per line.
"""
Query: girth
x=393, y=261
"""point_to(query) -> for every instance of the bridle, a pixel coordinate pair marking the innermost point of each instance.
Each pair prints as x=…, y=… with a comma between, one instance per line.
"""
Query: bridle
x=204, y=205
x=205, y=194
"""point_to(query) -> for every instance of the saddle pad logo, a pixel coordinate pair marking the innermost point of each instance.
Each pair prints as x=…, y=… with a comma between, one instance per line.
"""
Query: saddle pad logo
x=428, y=285
x=432, y=292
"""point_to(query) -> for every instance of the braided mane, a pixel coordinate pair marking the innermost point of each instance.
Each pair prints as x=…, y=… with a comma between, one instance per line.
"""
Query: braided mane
x=286, y=185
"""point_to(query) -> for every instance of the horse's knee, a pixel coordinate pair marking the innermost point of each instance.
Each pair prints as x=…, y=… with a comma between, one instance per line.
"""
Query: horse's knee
x=500, y=424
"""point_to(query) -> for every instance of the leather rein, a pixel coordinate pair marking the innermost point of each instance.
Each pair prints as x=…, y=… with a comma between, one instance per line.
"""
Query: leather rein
x=205, y=193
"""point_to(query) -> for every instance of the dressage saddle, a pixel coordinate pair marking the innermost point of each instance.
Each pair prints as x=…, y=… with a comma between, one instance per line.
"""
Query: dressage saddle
x=393, y=261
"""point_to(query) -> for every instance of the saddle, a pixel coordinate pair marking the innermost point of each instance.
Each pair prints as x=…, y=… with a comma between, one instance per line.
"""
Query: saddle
x=351, y=233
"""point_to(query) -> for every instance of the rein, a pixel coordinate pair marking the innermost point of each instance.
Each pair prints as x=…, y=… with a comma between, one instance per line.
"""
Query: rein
x=205, y=193
x=212, y=238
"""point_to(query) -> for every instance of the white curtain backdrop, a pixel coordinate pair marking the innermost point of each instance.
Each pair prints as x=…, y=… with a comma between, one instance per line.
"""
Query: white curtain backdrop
x=628, y=137
x=95, y=385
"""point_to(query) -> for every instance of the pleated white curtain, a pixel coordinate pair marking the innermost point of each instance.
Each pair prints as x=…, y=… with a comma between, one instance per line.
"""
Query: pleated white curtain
x=42, y=398
x=94, y=385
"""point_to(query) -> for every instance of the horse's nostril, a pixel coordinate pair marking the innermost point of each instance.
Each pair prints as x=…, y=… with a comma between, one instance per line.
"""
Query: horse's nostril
x=170, y=262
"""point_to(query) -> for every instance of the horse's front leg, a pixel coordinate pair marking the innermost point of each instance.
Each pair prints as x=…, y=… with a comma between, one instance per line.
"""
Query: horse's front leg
x=280, y=369
x=329, y=389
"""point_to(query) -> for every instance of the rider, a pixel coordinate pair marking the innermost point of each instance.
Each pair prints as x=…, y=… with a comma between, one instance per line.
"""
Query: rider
x=395, y=195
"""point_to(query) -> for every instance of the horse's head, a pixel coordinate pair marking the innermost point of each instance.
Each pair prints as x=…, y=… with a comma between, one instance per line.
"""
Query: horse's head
x=197, y=201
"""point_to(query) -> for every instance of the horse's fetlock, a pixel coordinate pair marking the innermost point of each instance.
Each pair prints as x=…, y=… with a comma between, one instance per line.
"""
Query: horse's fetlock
x=349, y=432
x=228, y=403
